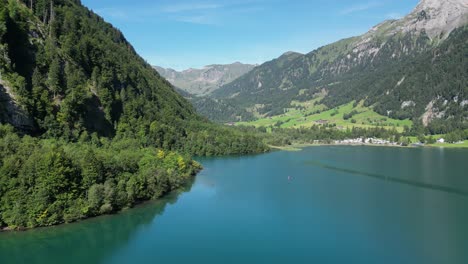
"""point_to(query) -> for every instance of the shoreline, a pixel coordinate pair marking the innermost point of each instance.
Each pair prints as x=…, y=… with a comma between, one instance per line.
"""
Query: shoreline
x=26, y=229
x=292, y=147
x=300, y=146
x=137, y=204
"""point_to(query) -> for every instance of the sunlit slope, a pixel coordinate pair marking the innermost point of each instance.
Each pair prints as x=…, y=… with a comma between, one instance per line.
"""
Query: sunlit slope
x=311, y=113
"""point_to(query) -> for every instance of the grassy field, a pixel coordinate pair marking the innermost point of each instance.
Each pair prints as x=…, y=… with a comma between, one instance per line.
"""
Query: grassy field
x=448, y=145
x=315, y=113
x=415, y=139
x=442, y=145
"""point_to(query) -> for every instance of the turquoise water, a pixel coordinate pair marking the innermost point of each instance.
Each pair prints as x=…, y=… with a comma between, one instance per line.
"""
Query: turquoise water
x=320, y=205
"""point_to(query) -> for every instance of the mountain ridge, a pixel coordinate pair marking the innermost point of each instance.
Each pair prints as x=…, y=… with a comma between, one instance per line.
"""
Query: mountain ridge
x=205, y=80
x=67, y=74
x=341, y=68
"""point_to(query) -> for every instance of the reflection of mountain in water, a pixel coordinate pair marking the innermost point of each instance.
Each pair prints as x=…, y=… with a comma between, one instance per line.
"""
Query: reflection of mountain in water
x=94, y=239
x=393, y=179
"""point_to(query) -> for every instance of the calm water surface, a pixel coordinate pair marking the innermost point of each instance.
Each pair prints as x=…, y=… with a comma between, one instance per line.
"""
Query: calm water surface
x=320, y=205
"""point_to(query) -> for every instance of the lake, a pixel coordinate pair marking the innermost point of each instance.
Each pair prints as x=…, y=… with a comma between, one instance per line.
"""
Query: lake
x=331, y=204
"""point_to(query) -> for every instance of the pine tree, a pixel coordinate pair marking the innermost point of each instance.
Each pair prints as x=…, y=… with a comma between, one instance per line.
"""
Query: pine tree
x=54, y=76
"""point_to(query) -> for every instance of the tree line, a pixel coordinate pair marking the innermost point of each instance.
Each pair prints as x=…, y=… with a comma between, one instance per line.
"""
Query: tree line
x=107, y=130
x=48, y=182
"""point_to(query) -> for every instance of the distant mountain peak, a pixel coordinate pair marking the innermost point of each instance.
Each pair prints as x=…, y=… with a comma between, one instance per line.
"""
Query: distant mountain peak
x=207, y=79
x=438, y=18
x=434, y=18
x=440, y=4
x=353, y=68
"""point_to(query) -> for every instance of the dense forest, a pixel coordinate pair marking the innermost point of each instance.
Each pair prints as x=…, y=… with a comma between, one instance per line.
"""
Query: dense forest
x=220, y=111
x=437, y=75
x=401, y=75
x=76, y=75
x=48, y=182
x=261, y=86
x=89, y=127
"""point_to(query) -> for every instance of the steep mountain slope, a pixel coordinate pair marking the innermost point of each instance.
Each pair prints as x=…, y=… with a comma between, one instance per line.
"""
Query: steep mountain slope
x=70, y=69
x=219, y=110
x=261, y=77
x=206, y=80
x=87, y=127
x=222, y=106
x=224, y=110
x=66, y=73
x=374, y=67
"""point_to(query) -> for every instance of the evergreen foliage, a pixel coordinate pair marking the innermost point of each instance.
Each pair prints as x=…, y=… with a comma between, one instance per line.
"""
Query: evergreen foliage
x=81, y=76
x=48, y=182
x=106, y=128
x=409, y=73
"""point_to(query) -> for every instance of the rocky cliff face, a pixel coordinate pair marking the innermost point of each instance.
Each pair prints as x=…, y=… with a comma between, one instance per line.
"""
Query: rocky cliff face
x=11, y=112
x=435, y=18
x=428, y=24
x=438, y=18
x=408, y=53
x=205, y=81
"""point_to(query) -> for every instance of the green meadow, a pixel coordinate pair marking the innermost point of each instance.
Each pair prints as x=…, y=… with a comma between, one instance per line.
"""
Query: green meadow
x=307, y=114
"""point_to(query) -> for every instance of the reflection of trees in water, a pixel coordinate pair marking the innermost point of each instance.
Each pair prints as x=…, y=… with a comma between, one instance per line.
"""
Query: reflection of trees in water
x=89, y=241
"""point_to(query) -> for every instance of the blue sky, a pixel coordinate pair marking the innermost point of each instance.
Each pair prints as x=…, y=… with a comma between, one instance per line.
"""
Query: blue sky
x=192, y=33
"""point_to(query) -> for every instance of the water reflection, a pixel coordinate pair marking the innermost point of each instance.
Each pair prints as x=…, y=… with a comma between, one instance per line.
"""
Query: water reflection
x=94, y=239
x=245, y=210
x=391, y=179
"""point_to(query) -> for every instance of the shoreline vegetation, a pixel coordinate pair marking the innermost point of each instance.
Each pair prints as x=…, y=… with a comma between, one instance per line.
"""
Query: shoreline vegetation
x=87, y=126
x=294, y=139
x=183, y=188
x=300, y=146
x=47, y=182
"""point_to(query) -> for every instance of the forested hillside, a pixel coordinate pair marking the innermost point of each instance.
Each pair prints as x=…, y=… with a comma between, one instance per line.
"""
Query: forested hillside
x=262, y=86
x=231, y=103
x=91, y=127
x=196, y=85
x=219, y=110
x=412, y=68
x=74, y=74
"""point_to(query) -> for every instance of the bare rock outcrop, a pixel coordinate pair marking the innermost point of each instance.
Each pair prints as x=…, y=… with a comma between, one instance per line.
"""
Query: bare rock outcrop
x=11, y=112
x=438, y=18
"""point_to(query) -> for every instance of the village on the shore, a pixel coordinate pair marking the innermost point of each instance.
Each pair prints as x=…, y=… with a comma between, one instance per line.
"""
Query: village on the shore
x=378, y=141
